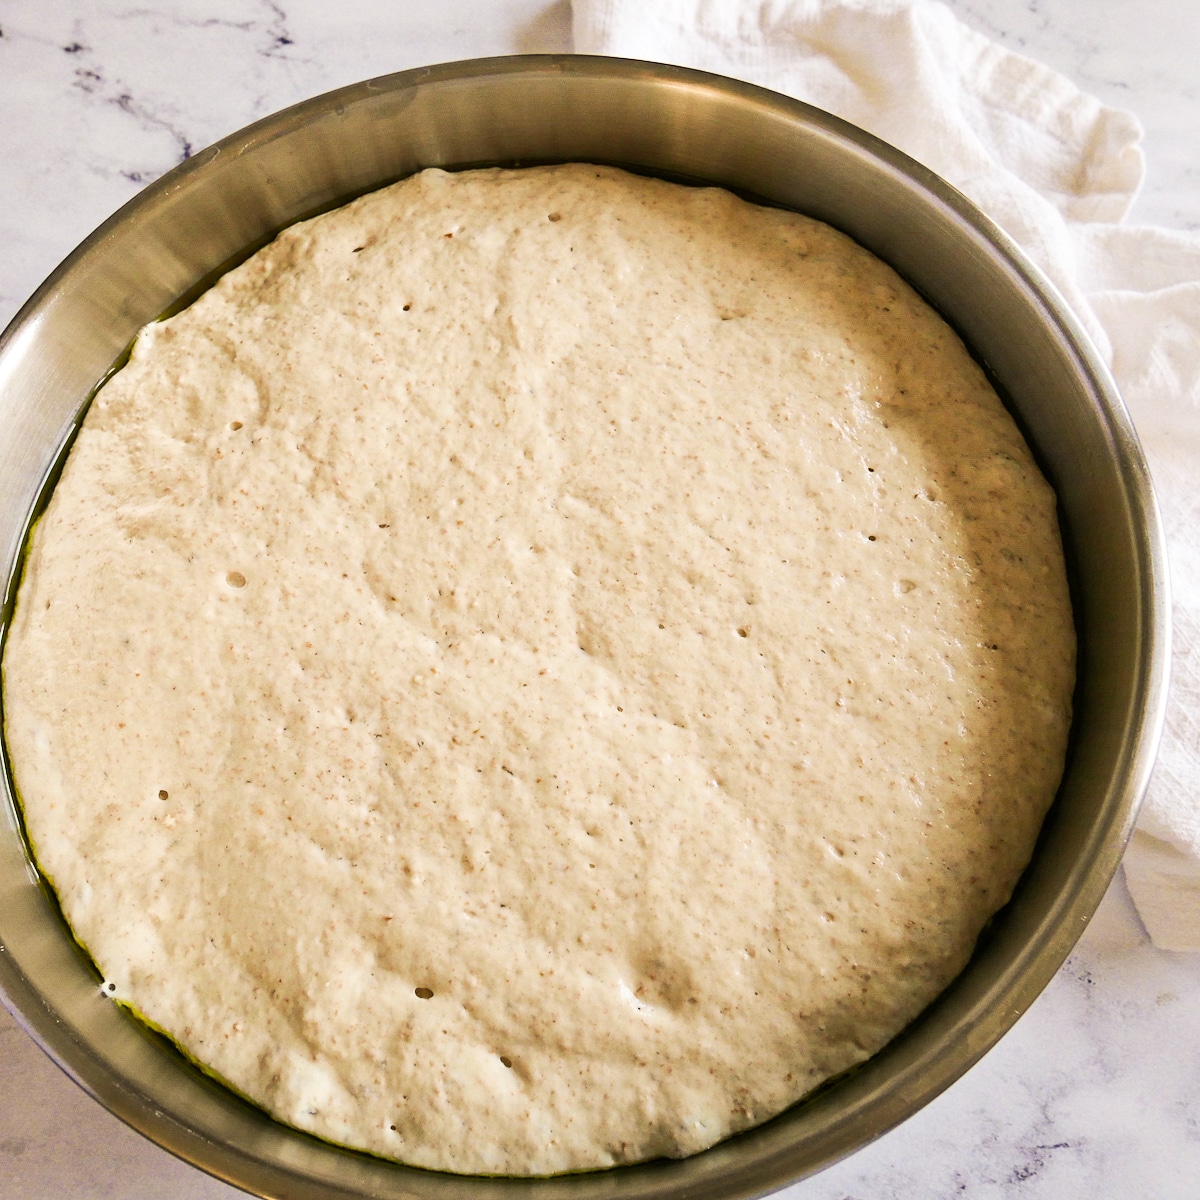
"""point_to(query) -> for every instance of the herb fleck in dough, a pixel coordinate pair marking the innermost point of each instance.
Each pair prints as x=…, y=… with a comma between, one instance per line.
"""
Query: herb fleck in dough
x=538, y=669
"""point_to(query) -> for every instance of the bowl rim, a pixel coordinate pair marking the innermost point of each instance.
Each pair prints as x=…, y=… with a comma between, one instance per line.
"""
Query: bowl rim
x=1074, y=906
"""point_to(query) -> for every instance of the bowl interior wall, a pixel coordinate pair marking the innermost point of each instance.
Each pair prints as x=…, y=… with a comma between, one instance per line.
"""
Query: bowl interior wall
x=204, y=215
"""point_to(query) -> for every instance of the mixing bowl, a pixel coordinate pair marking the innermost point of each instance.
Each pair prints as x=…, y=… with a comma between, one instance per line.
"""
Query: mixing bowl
x=171, y=240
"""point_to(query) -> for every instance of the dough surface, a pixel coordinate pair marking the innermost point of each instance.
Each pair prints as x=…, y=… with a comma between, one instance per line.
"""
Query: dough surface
x=536, y=670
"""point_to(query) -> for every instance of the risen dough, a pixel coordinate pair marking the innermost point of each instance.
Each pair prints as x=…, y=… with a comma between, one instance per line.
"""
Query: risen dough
x=536, y=670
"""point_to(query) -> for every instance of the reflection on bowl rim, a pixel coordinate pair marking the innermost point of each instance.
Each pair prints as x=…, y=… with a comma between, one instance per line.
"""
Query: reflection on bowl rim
x=682, y=116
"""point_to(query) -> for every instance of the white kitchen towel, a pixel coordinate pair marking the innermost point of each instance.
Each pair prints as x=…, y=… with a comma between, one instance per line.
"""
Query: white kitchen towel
x=1058, y=170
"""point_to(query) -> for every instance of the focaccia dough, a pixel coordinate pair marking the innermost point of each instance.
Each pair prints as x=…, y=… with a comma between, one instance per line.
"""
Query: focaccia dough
x=539, y=669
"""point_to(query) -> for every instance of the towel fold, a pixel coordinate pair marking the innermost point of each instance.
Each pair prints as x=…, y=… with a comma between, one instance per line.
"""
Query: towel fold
x=1058, y=170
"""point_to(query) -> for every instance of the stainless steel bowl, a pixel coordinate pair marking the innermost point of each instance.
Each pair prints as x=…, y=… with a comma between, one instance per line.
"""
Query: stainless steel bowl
x=207, y=212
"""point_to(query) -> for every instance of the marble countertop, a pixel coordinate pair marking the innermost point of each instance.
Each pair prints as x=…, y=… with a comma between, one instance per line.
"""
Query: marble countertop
x=1096, y=1091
